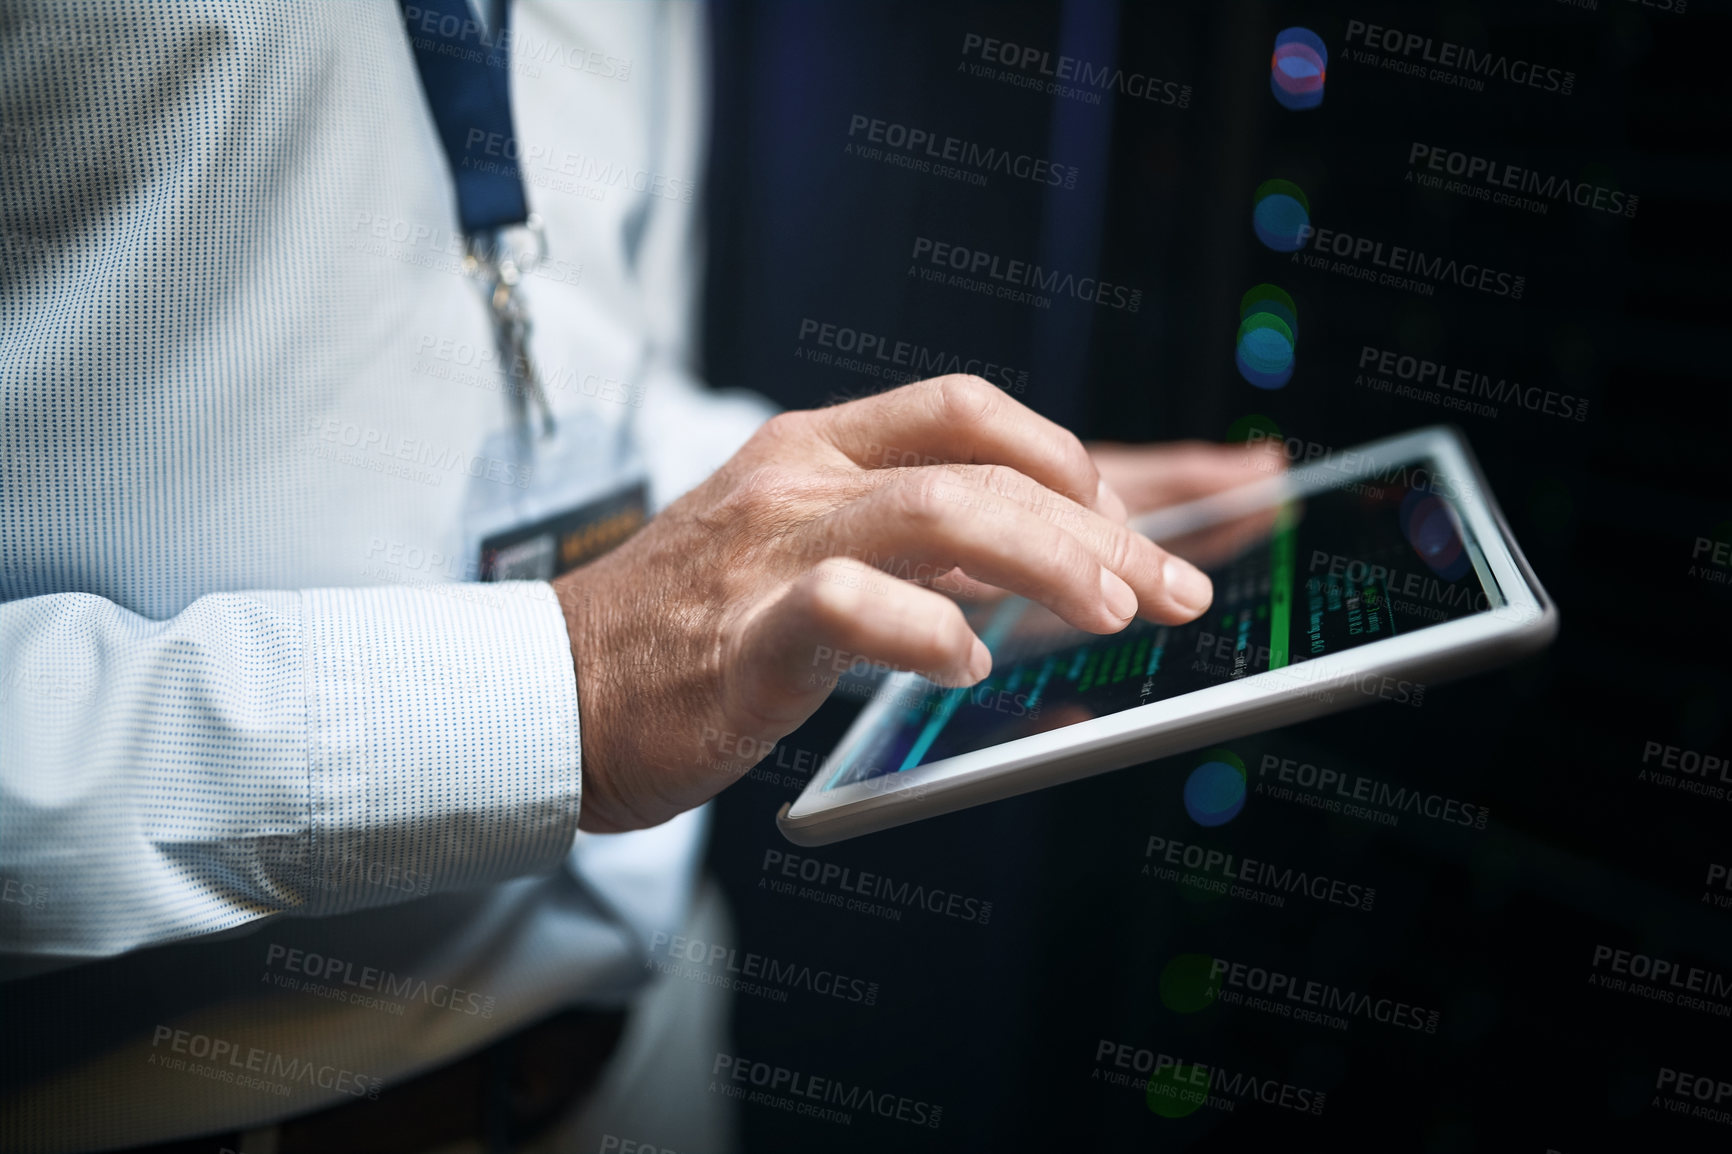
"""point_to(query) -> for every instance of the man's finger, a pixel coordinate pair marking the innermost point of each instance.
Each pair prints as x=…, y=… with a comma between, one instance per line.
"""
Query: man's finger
x=840, y=613
x=964, y=420
x=1115, y=545
x=1092, y=574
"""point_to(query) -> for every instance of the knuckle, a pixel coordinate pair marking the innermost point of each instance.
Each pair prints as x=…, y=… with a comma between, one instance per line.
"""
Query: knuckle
x=1088, y=477
x=783, y=427
x=1079, y=566
x=764, y=490
x=965, y=401
x=1120, y=550
x=1064, y=511
x=1001, y=479
x=767, y=482
x=920, y=496
x=1067, y=515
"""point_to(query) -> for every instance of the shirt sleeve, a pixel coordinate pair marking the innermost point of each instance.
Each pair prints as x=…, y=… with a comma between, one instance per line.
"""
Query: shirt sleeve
x=272, y=753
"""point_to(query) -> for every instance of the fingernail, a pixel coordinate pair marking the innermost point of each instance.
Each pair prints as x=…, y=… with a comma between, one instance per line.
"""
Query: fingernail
x=1121, y=600
x=979, y=662
x=1187, y=584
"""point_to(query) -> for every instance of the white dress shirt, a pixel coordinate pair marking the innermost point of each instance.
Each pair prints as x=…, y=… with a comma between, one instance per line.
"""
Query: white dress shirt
x=287, y=804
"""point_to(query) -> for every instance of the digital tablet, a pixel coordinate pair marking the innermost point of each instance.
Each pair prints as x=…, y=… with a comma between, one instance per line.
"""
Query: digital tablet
x=1364, y=576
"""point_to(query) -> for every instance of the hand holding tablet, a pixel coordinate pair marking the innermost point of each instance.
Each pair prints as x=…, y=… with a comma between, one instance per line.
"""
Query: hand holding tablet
x=839, y=530
x=1358, y=578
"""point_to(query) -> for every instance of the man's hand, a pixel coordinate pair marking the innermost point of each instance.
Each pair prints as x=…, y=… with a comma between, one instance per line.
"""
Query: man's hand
x=833, y=536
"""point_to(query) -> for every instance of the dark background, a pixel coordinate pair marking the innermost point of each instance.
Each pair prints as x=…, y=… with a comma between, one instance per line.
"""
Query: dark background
x=999, y=1023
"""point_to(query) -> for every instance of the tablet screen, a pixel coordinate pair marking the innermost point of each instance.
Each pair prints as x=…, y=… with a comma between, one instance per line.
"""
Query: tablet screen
x=1330, y=571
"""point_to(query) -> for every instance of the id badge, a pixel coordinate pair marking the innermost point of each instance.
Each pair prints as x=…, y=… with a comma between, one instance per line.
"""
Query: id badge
x=545, y=504
x=558, y=544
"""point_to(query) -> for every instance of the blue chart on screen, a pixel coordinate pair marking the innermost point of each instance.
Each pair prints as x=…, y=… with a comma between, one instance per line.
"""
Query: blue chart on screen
x=1298, y=68
x=1215, y=792
x=1281, y=216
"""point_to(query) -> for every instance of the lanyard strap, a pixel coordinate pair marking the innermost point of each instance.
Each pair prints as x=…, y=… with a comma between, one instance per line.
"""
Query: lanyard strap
x=466, y=76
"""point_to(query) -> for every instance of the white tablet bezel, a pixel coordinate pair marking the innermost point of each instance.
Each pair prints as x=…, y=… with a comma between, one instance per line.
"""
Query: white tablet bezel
x=1521, y=618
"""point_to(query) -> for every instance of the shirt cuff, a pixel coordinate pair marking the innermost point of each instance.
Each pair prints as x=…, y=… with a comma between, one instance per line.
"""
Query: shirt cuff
x=444, y=748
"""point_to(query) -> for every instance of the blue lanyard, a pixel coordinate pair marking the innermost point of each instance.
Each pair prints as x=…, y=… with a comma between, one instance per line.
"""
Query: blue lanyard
x=466, y=77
